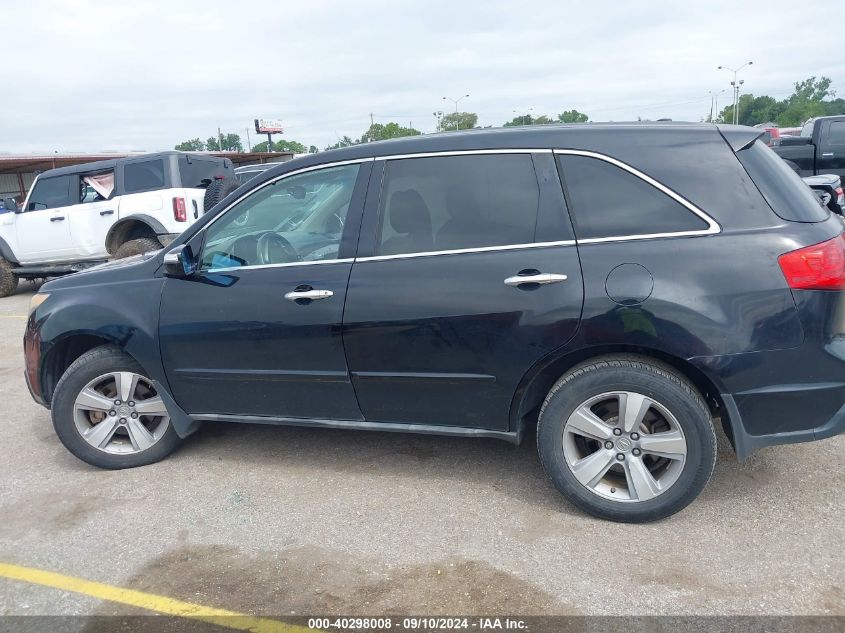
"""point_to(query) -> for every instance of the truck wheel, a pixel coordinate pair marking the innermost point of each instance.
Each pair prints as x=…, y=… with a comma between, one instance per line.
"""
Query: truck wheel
x=137, y=247
x=106, y=411
x=217, y=190
x=626, y=439
x=8, y=279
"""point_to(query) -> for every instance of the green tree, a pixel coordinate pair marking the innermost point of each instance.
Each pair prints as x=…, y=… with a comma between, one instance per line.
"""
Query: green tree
x=806, y=101
x=342, y=142
x=522, y=119
x=224, y=143
x=383, y=131
x=312, y=149
x=458, y=121
x=572, y=116
x=289, y=146
x=193, y=145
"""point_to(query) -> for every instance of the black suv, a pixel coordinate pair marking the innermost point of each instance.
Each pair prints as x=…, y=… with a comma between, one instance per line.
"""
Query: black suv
x=619, y=286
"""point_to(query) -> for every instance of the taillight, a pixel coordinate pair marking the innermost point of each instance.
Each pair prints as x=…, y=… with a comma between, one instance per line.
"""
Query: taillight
x=817, y=267
x=180, y=213
x=840, y=195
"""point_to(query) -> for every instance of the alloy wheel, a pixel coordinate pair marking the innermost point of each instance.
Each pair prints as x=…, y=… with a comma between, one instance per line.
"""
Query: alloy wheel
x=624, y=446
x=120, y=413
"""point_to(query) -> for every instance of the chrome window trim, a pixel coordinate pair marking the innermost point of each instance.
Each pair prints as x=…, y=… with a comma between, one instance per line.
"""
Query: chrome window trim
x=228, y=269
x=461, y=251
x=713, y=227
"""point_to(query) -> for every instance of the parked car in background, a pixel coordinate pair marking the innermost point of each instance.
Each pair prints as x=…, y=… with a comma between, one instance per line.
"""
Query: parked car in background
x=588, y=279
x=246, y=173
x=828, y=187
x=78, y=216
x=819, y=150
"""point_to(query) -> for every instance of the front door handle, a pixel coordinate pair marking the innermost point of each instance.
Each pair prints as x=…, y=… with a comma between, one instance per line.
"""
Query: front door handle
x=539, y=278
x=57, y=218
x=108, y=212
x=312, y=295
x=827, y=154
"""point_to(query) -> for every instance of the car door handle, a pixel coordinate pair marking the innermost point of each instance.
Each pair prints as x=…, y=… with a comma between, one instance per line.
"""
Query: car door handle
x=313, y=295
x=57, y=218
x=108, y=212
x=827, y=154
x=539, y=278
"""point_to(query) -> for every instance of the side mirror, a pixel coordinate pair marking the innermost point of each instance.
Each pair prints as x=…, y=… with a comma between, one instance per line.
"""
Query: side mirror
x=180, y=262
x=10, y=204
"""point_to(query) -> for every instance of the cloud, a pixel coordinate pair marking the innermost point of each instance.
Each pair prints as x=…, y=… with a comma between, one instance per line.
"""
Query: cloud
x=90, y=76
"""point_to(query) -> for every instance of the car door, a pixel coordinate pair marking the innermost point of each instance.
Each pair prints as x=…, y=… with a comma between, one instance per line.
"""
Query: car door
x=467, y=275
x=257, y=330
x=43, y=229
x=93, y=215
x=831, y=159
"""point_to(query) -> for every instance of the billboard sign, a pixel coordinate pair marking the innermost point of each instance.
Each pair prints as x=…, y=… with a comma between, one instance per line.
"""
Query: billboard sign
x=268, y=126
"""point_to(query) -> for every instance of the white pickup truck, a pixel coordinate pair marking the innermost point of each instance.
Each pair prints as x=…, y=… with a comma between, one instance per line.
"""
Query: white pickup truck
x=79, y=216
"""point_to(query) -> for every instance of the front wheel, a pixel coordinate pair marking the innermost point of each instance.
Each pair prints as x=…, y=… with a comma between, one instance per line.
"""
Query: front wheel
x=626, y=439
x=107, y=412
x=8, y=279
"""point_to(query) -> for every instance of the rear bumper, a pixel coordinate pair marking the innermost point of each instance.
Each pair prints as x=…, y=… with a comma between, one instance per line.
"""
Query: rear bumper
x=791, y=395
x=746, y=443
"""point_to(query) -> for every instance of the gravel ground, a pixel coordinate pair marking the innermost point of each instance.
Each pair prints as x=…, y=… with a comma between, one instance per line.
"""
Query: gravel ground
x=288, y=520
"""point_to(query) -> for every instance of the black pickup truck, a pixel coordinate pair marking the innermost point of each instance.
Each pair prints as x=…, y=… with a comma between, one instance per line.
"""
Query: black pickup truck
x=819, y=150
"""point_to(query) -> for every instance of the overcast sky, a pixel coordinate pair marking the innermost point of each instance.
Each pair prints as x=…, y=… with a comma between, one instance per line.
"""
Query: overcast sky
x=143, y=75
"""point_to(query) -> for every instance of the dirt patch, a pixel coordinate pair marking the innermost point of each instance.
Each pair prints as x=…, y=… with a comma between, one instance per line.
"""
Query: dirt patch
x=315, y=581
x=50, y=512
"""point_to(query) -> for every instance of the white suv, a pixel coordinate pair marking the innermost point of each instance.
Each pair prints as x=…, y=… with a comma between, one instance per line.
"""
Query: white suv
x=78, y=216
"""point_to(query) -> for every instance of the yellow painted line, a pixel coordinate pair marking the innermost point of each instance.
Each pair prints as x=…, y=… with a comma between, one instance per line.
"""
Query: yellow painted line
x=149, y=601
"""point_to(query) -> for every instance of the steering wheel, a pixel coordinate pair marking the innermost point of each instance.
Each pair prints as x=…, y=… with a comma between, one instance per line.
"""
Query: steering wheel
x=271, y=244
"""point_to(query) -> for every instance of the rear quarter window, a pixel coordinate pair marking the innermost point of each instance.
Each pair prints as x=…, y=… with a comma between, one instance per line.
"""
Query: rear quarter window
x=788, y=196
x=607, y=201
x=197, y=173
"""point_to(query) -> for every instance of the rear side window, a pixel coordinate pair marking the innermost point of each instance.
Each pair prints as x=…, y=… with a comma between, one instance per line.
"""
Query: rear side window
x=607, y=201
x=143, y=175
x=457, y=202
x=788, y=196
x=50, y=193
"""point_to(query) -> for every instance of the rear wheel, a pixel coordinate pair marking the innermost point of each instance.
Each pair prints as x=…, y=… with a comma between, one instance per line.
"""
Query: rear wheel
x=107, y=412
x=137, y=247
x=8, y=279
x=626, y=439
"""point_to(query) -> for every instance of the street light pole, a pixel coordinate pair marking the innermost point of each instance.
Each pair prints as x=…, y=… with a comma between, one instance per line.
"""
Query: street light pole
x=735, y=86
x=456, y=102
x=524, y=116
x=714, y=102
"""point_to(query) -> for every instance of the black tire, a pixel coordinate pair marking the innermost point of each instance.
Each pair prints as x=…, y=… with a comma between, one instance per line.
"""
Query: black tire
x=86, y=368
x=8, y=279
x=217, y=190
x=654, y=380
x=137, y=247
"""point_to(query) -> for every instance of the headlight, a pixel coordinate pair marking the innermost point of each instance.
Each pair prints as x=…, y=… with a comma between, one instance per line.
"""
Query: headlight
x=37, y=300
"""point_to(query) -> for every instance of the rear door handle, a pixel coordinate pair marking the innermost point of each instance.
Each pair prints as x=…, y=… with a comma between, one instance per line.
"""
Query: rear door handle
x=539, y=278
x=57, y=218
x=108, y=212
x=313, y=295
x=827, y=154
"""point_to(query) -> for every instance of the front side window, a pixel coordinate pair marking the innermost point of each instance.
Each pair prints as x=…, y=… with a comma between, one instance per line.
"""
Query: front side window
x=836, y=133
x=608, y=201
x=143, y=175
x=457, y=202
x=295, y=219
x=50, y=193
